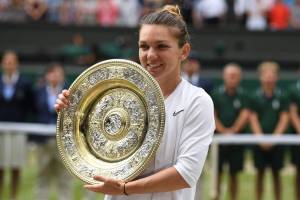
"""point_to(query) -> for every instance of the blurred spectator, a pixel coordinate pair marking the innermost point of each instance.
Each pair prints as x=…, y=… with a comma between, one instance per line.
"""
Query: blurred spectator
x=12, y=11
x=86, y=12
x=187, y=10
x=67, y=12
x=50, y=167
x=36, y=10
x=129, y=12
x=209, y=13
x=240, y=11
x=231, y=114
x=78, y=52
x=15, y=106
x=279, y=16
x=107, y=13
x=191, y=71
x=231, y=19
x=257, y=12
x=151, y=5
x=118, y=48
x=53, y=10
x=289, y=2
x=295, y=122
x=269, y=116
x=3, y=5
x=295, y=15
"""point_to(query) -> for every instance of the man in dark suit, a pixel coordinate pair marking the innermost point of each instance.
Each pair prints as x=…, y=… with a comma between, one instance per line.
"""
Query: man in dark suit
x=50, y=168
x=15, y=106
x=191, y=72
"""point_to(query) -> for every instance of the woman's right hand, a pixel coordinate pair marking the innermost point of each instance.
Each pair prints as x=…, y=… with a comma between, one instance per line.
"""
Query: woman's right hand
x=62, y=100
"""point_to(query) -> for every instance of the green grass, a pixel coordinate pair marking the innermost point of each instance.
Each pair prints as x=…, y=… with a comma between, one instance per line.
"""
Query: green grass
x=246, y=192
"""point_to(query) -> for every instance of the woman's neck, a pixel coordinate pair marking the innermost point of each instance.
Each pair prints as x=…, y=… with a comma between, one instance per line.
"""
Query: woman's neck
x=168, y=86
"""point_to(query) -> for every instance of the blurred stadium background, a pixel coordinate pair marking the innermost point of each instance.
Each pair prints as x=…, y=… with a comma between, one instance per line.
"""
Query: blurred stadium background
x=79, y=33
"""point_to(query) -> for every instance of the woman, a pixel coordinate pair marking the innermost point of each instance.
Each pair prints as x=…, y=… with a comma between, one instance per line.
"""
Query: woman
x=173, y=174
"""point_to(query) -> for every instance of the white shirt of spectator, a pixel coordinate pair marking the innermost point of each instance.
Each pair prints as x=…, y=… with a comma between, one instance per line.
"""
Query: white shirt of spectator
x=210, y=8
x=129, y=12
x=256, y=9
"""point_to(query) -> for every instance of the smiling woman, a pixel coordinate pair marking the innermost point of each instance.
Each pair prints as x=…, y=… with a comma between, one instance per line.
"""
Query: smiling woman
x=175, y=170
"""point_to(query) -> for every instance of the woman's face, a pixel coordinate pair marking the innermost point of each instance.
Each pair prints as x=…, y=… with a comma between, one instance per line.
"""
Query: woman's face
x=159, y=52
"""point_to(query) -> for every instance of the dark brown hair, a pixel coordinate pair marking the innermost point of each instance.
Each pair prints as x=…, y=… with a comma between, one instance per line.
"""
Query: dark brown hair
x=169, y=16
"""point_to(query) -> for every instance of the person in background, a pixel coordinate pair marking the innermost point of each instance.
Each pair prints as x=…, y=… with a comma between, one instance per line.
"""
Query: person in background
x=78, y=52
x=173, y=173
x=191, y=71
x=129, y=13
x=36, y=10
x=107, y=13
x=12, y=11
x=269, y=115
x=209, y=13
x=50, y=167
x=256, y=14
x=15, y=106
x=231, y=115
x=279, y=16
x=295, y=122
x=295, y=15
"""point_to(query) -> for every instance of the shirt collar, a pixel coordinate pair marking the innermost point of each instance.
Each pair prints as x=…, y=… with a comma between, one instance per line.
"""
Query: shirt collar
x=11, y=81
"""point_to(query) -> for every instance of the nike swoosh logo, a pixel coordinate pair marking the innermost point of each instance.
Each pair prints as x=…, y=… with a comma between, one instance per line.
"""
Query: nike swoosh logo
x=176, y=113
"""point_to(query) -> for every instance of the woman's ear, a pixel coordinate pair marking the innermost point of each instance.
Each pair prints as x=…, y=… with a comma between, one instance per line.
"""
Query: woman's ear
x=185, y=51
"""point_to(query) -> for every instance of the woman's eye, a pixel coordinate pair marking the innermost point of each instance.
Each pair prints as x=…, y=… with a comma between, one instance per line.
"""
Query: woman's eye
x=162, y=46
x=143, y=46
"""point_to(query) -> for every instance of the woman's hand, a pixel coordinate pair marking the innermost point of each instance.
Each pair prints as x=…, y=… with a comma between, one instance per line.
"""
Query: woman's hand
x=62, y=101
x=107, y=186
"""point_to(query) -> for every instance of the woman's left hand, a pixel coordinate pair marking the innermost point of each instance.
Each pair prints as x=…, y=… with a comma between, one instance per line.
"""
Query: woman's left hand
x=107, y=186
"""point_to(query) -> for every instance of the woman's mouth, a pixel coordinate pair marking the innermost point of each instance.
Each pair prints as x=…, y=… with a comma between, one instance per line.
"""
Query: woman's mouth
x=153, y=68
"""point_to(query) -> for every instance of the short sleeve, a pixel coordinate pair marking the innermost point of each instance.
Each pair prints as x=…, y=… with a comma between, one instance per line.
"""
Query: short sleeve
x=196, y=137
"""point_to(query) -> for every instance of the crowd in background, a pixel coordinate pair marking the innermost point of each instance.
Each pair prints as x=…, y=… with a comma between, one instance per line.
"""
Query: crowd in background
x=250, y=14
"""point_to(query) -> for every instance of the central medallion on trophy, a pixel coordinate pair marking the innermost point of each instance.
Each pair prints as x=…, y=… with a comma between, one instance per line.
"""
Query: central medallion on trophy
x=114, y=124
x=117, y=123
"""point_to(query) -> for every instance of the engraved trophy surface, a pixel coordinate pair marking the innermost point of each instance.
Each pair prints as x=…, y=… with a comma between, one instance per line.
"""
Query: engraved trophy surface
x=114, y=123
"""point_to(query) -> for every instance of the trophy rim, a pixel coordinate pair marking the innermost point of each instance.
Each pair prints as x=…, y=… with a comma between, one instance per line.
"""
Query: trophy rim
x=67, y=161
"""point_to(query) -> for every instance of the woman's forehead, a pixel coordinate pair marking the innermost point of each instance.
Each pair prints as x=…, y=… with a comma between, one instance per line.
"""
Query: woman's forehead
x=155, y=32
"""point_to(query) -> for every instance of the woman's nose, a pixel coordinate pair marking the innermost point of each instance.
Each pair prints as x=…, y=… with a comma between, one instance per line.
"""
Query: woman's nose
x=151, y=54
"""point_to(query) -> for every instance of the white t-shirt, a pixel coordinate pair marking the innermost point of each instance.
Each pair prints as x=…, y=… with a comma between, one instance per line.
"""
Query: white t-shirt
x=188, y=133
x=210, y=8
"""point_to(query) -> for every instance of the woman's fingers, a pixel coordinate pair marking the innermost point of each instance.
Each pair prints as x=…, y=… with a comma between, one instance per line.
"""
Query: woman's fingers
x=66, y=93
x=99, y=178
x=108, y=181
x=95, y=187
x=62, y=100
x=106, y=186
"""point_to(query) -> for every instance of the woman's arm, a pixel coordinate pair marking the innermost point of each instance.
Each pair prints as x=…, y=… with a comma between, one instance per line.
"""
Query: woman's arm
x=163, y=181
